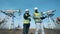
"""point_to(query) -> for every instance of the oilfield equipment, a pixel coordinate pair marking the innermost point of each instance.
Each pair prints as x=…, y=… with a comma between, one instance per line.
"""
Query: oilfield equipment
x=52, y=23
x=9, y=14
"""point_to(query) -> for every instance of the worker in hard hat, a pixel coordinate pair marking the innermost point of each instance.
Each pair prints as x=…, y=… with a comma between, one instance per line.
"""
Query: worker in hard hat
x=38, y=20
x=26, y=23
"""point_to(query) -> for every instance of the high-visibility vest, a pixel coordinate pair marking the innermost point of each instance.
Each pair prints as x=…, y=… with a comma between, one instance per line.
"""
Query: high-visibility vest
x=37, y=17
x=26, y=21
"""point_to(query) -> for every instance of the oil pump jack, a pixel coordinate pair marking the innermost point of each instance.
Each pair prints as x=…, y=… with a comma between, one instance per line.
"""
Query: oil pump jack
x=19, y=13
x=50, y=14
x=10, y=14
x=52, y=23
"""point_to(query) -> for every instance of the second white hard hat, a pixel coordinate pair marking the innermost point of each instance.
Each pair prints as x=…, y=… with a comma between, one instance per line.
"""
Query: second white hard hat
x=35, y=8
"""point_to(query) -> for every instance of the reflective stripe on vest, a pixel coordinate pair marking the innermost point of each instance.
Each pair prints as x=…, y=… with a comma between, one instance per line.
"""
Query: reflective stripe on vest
x=26, y=21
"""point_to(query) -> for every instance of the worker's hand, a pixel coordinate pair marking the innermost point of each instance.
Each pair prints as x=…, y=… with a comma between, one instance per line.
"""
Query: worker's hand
x=42, y=18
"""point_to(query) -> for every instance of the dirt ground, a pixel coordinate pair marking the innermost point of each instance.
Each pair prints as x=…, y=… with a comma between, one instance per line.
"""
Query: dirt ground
x=31, y=31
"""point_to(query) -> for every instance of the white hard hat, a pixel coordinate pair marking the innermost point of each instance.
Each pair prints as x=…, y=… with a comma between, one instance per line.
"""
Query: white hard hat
x=27, y=10
x=35, y=8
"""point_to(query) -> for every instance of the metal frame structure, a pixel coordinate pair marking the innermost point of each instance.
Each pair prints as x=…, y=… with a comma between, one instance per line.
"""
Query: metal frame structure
x=10, y=13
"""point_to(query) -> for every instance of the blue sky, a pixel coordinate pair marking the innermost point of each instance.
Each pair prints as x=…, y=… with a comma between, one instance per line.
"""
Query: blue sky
x=43, y=5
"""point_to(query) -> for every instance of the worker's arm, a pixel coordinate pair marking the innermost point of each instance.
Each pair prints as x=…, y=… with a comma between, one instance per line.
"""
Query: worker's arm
x=29, y=18
x=43, y=16
x=25, y=16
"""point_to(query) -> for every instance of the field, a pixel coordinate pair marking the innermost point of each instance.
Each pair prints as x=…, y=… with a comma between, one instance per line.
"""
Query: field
x=31, y=31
